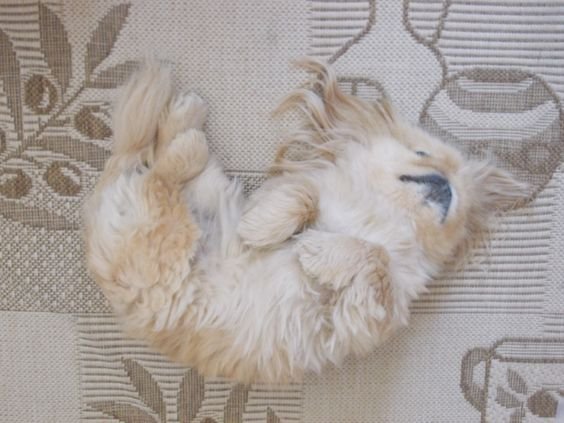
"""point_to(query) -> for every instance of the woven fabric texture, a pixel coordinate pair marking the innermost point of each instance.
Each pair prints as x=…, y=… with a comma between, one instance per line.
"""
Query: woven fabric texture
x=486, y=343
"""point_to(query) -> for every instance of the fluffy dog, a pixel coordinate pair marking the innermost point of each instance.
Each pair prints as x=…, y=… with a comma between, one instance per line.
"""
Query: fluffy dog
x=321, y=262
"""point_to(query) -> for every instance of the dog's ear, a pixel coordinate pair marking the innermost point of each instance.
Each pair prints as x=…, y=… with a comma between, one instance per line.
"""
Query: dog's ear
x=328, y=109
x=496, y=189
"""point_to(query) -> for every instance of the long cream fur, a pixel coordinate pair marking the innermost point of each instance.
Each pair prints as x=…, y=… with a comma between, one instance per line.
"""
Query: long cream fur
x=321, y=262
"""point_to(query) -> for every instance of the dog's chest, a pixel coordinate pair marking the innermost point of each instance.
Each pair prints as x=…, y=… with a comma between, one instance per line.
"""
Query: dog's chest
x=363, y=216
x=345, y=213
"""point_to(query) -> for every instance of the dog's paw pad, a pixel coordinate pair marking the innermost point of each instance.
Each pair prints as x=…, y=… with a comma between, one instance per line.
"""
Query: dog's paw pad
x=309, y=257
x=188, y=111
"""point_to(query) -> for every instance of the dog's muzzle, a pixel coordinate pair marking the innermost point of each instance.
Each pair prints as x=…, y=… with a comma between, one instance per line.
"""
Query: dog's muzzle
x=437, y=190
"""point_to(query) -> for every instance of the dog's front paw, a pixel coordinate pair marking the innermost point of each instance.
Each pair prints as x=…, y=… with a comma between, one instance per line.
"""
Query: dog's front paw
x=310, y=255
x=337, y=260
x=319, y=255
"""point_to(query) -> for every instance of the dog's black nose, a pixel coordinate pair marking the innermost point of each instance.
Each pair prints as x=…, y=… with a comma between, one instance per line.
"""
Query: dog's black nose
x=437, y=189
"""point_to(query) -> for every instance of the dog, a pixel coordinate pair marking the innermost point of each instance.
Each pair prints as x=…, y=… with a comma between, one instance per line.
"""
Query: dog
x=361, y=210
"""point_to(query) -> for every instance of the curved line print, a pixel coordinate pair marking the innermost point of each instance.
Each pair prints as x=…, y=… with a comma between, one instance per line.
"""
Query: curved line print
x=356, y=80
x=534, y=77
x=431, y=45
x=369, y=24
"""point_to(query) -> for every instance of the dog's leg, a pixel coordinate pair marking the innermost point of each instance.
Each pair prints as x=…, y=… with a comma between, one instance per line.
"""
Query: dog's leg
x=185, y=111
x=215, y=200
x=139, y=231
x=143, y=237
x=353, y=275
x=280, y=208
x=336, y=259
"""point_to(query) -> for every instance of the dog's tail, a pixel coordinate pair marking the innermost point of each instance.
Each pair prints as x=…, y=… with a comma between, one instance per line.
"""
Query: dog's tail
x=139, y=108
x=137, y=113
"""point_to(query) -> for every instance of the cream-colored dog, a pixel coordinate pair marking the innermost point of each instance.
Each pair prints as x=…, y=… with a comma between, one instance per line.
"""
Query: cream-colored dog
x=322, y=261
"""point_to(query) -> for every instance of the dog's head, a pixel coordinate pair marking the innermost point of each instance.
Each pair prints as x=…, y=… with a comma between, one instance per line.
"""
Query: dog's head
x=447, y=198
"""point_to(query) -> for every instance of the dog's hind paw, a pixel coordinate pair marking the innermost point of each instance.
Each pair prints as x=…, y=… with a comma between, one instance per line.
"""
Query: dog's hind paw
x=188, y=111
x=185, y=157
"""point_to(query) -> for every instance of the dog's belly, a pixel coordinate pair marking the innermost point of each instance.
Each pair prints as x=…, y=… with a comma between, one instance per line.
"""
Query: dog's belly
x=265, y=301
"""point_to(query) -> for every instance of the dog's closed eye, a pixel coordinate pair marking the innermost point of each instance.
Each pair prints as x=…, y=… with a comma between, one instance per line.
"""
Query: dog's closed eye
x=422, y=153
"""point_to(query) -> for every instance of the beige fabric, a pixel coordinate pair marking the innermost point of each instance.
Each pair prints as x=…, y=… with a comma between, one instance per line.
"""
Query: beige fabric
x=415, y=377
x=486, y=342
x=38, y=368
x=554, y=298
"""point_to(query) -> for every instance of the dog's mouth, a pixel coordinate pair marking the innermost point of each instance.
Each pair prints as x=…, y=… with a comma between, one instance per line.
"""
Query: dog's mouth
x=437, y=190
